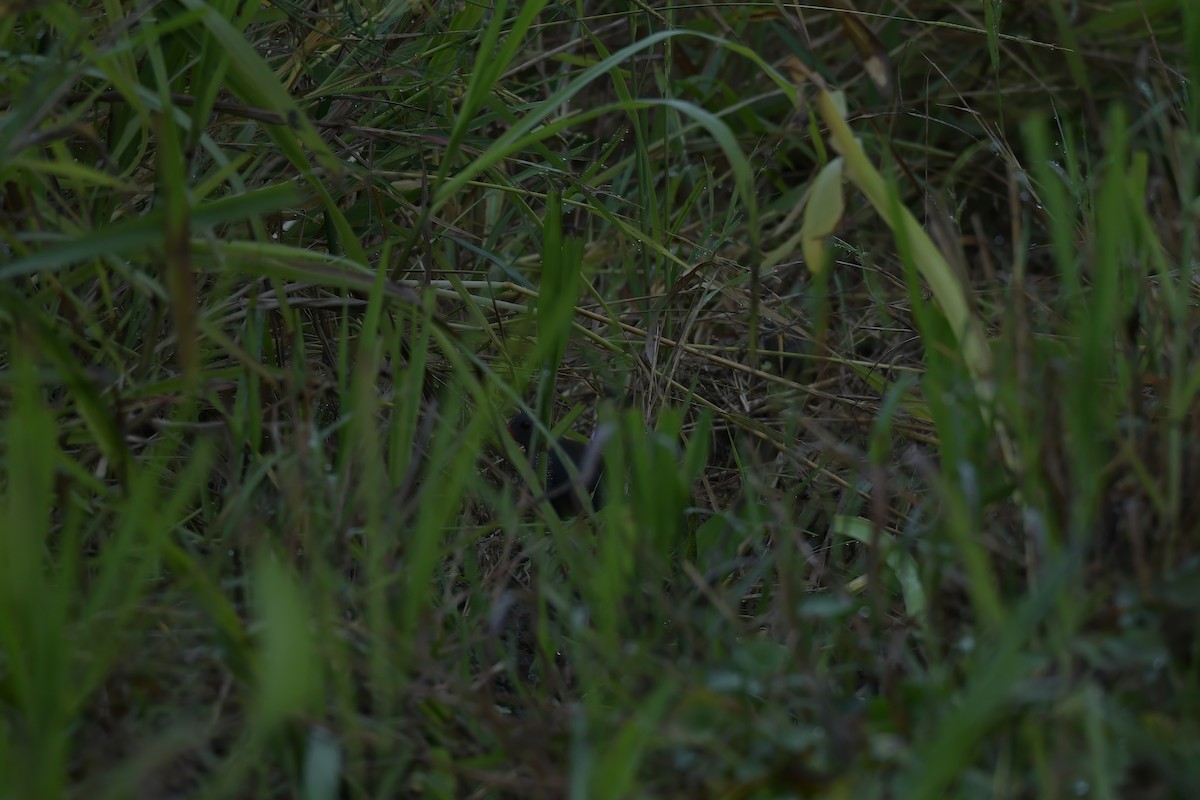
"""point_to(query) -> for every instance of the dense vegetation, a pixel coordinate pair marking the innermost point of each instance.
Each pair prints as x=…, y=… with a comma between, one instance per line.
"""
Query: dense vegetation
x=886, y=315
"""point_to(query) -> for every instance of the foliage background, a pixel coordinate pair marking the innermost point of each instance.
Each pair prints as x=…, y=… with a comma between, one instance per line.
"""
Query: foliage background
x=886, y=313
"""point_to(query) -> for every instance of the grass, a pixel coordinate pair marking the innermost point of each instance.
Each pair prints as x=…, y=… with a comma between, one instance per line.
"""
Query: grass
x=886, y=315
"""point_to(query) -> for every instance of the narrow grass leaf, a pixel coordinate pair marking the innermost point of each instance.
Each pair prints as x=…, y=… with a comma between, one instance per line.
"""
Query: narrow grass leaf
x=289, y=673
x=136, y=235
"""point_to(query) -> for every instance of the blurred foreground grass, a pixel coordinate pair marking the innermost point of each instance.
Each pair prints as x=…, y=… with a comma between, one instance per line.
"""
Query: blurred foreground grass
x=888, y=313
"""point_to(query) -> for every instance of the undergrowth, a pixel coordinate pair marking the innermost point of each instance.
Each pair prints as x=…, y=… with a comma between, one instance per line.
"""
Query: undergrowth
x=885, y=315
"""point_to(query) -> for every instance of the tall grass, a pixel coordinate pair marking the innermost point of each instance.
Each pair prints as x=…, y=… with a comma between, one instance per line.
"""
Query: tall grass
x=885, y=314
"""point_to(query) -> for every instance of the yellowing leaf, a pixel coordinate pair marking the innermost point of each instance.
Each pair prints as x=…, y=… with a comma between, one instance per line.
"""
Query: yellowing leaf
x=826, y=203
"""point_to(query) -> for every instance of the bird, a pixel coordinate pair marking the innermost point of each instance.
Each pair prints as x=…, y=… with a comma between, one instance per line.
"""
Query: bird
x=568, y=488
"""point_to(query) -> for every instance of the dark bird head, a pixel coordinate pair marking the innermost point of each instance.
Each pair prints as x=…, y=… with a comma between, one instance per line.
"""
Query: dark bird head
x=520, y=427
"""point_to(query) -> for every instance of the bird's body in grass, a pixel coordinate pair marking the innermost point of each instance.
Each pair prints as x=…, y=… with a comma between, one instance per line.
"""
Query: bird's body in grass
x=568, y=488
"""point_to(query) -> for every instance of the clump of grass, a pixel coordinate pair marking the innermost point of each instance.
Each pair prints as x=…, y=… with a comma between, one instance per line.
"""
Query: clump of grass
x=884, y=313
